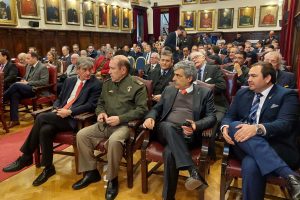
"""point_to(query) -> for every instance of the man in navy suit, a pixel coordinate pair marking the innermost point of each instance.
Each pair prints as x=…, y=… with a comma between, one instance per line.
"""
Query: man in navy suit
x=261, y=126
x=8, y=68
x=172, y=42
x=181, y=103
x=79, y=94
x=284, y=79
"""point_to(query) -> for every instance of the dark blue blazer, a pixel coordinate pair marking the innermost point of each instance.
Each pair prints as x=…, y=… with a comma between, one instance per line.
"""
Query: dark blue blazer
x=10, y=74
x=171, y=41
x=86, y=101
x=279, y=115
x=286, y=79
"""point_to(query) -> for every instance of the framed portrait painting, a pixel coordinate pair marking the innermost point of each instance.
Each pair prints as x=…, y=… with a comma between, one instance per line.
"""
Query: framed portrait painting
x=225, y=18
x=29, y=9
x=206, y=20
x=8, y=12
x=268, y=15
x=115, y=17
x=88, y=12
x=188, y=20
x=126, y=19
x=52, y=11
x=208, y=1
x=189, y=1
x=246, y=17
x=72, y=12
x=103, y=15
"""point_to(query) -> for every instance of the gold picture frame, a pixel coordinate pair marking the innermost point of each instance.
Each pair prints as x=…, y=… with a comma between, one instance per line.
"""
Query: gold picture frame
x=206, y=20
x=188, y=20
x=225, y=18
x=268, y=15
x=29, y=9
x=114, y=17
x=208, y=1
x=8, y=13
x=184, y=2
x=126, y=19
x=72, y=12
x=52, y=11
x=88, y=13
x=103, y=20
x=246, y=17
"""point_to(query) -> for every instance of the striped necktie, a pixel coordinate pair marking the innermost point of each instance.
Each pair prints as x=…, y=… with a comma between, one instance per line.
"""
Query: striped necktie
x=254, y=108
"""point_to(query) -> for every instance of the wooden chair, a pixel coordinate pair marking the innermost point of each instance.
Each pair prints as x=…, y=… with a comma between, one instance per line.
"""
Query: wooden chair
x=66, y=137
x=231, y=84
x=133, y=143
x=231, y=170
x=39, y=99
x=1, y=103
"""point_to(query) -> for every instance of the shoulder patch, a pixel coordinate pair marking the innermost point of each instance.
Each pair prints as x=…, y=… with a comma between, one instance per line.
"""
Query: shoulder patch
x=138, y=82
x=107, y=80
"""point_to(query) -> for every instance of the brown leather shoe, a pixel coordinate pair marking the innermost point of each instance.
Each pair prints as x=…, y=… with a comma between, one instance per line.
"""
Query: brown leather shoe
x=13, y=123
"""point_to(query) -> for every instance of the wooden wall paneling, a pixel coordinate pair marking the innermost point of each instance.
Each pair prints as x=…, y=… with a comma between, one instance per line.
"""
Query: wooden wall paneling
x=84, y=40
x=18, y=40
x=49, y=40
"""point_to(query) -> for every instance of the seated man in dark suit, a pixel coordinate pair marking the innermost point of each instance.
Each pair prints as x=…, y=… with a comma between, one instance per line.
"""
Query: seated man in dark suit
x=10, y=70
x=36, y=75
x=284, y=79
x=211, y=75
x=79, y=94
x=162, y=76
x=261, y=126
x=251, y=54
x=182, y=103
x=154, y=64
x=239, y=67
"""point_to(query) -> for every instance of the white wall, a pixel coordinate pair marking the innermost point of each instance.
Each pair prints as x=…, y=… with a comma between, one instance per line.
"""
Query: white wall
x=221, y=4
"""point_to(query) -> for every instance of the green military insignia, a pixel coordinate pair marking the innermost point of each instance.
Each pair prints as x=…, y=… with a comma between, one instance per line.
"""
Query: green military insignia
x=129, y=88
x=139, y=82
x=110, y=91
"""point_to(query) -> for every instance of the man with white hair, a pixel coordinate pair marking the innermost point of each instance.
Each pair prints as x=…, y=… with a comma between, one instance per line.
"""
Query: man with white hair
x=284, y=79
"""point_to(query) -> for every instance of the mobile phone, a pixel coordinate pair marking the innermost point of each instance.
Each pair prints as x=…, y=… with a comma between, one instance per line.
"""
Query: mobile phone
x=187, y=123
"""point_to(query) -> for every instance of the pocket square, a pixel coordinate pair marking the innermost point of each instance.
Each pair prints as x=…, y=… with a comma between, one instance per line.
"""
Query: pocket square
x=207, y=79
x=274, y=106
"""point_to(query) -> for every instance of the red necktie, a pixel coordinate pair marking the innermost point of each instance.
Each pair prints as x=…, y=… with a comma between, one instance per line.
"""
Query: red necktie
x=183, y=92
x=79, y=88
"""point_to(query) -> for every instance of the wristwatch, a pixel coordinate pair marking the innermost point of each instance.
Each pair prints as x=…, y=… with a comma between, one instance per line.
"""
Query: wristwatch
x=259, y=130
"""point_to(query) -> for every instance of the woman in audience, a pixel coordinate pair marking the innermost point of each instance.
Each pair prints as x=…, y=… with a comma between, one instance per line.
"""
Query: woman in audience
x=52, y=60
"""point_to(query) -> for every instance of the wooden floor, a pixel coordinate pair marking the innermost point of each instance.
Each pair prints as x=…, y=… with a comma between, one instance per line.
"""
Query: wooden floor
x=19, y=187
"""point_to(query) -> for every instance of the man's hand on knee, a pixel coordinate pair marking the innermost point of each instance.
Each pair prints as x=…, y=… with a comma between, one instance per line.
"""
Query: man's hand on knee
x=245, y=132
x=226, y=135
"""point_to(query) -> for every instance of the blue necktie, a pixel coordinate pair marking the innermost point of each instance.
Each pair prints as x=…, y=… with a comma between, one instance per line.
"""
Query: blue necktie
x=253, y=110
x=200, y=74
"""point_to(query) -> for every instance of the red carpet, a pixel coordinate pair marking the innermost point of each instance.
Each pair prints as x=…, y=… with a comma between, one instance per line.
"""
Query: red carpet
x=10, y=150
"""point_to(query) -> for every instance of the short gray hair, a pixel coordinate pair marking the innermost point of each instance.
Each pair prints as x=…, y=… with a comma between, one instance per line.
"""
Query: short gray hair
x=84, y=63
x=188, y=68
x=197, y=53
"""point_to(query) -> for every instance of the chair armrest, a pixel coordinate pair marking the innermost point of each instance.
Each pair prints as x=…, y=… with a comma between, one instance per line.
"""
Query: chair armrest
x=207, y=133
x=36, y=113
x=135, y=123
x=38, y=90
x=84, y=116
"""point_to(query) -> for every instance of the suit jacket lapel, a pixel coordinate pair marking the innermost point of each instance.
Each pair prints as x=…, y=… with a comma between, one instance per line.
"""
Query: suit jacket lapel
x=196, y=106
x=205, y=73
x=268, y=100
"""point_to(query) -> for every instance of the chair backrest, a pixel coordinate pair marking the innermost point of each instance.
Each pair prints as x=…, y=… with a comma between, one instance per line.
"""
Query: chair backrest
x=64, y=66
x=21, y=69
x=231, y=84
x=1, y=88
x=140, y=63
x=132, y=61
x=52, y=78
x=148, y=84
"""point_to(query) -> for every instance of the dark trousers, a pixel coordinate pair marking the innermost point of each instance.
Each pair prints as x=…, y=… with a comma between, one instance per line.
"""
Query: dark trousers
x=176, y=155
x=259, y=160
x=45, y=127
x=14, y=94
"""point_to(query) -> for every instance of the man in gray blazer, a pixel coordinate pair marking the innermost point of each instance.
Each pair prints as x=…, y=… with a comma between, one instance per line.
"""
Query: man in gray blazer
x=36, y=75
x=179, y=118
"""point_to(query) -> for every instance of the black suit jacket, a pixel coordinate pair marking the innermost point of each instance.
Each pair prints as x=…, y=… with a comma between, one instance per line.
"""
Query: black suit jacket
x=148, y=70
x=279, y=115
x=10, y=74
x=213, y=75
x=158, y=83
x=171, y=41
x=203, y=107
x=86, y=101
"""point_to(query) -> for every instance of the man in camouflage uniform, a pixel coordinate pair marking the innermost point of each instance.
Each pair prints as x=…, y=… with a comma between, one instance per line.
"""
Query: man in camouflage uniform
x=123, y=99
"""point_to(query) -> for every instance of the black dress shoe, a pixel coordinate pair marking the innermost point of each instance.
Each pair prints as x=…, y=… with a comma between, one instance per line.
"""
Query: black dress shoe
x=43, y=177
x=195, y=181
x=112, y=189
x=17, y=165
x=293, y=185
x=89, y=177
